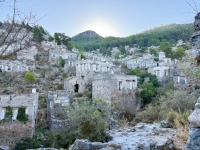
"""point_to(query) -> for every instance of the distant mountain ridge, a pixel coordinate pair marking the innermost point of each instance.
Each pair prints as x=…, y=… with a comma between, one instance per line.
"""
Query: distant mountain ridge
x=90, y=40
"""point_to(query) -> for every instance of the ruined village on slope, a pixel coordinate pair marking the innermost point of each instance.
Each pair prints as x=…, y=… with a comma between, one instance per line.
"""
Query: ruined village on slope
x=63, y=85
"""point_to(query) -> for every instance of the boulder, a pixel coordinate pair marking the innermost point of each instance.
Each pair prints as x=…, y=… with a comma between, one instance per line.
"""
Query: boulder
x=194, y=118
x=193, y=142
x=142, y=136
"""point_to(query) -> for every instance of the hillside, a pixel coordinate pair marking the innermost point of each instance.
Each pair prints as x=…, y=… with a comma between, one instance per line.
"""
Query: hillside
x=171, y=33
x=86, y=36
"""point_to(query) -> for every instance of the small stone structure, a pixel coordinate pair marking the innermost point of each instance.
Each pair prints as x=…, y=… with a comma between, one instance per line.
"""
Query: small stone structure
x=104, y=85
x=56, y=107
x=75, y=85
x=12, y=130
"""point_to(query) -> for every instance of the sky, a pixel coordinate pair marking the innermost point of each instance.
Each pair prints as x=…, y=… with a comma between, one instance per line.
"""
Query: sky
x=119, y=18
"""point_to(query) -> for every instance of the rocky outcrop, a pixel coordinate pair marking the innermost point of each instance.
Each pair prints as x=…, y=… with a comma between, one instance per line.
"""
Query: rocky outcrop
x=195, y=39
x=4, y=148
x=141, y=137
x=87, y=145
x=193, y=142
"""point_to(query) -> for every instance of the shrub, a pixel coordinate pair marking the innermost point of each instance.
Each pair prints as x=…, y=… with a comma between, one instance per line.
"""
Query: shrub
x=89, y=120
x=61, y=62
x=22, y=116
x=171, y=116
x=30, y=76
x=27, y=143
x=9, y=112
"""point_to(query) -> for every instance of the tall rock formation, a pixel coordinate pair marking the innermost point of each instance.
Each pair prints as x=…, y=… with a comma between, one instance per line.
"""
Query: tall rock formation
x=193, y=142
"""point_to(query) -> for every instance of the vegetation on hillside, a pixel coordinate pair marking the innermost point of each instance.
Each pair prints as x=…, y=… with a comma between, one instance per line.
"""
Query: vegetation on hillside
x=166, y=33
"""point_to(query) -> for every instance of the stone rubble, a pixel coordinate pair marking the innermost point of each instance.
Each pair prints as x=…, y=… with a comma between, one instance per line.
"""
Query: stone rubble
x=141, y=137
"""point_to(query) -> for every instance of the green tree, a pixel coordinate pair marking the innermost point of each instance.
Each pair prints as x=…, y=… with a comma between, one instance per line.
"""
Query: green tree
x=148, y=91
x=89, y=119
x=153, y=52
x=51, y=38
x=82, y=56
x=30, y=76
x=61, y=62
x=38, y=33
x=167, y=49
x=122, y=50
x=117, y=56
x=61, y=38
x=142, y=75
x=179, y=53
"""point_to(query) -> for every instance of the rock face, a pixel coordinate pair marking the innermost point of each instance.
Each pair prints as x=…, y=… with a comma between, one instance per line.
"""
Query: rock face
x=193, y=142
x=195, y=39
x=141, y=137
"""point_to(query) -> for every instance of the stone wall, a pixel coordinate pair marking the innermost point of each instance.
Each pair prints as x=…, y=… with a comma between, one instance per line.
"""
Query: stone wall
x=56, y=110
x=12, y=130
x=101, y=87
x=106, y=85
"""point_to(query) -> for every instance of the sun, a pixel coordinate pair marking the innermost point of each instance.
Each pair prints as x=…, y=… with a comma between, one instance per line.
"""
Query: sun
x=102, y=29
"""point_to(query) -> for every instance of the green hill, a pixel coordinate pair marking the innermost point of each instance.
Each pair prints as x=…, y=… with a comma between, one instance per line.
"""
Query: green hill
x=170, y=33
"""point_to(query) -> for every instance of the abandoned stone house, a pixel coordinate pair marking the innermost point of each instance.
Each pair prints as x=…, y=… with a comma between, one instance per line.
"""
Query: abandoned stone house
x=16, y=66
x=163, y=60
x=106, y=86
x=74, y=85
x=11, y=129
x=55, y=54
x=161, y=72
x=141, y=62
x=56, y=107
x=85, y=69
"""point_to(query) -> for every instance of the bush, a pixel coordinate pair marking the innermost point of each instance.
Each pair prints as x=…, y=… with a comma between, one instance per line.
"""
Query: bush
x=22, y=116
x=9, y=112
x=27, y=143
x=61, y=62
x=30, y=76
x=170, y=105
x=89, y=119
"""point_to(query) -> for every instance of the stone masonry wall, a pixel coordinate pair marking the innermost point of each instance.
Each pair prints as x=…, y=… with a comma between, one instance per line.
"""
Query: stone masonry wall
x=101, y=87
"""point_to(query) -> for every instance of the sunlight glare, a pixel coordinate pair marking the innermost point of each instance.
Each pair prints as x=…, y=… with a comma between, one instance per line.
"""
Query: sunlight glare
x=102, y=29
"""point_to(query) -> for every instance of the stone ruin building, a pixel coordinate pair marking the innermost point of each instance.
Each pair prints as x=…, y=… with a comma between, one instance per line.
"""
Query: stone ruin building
x=110, y=87
x=56, y=106
x=16, y=66
x=86, y=69
x=55, y=54
x=75, y=85
x=11, y=129
x=162, y=68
